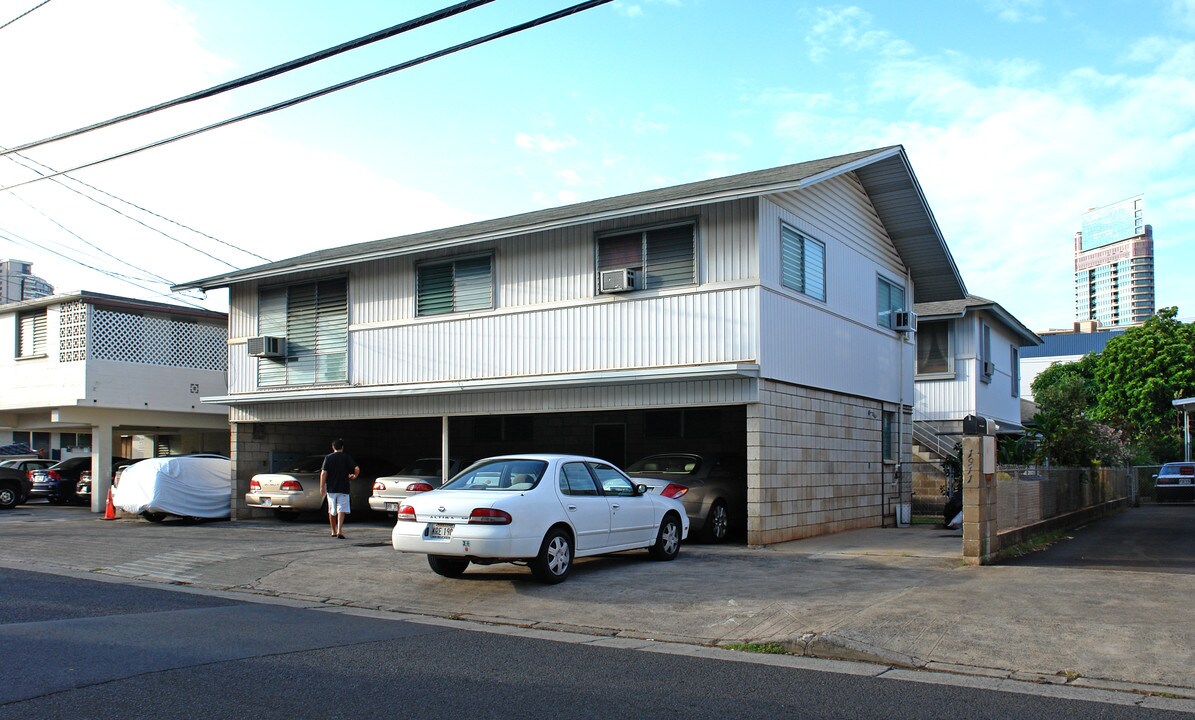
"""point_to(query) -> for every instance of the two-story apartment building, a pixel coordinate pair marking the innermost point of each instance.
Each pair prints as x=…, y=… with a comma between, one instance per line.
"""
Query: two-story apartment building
x=759, y=314
x=86, y=370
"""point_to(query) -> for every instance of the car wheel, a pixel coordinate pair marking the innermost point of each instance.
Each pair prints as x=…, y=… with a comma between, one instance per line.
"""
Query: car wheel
x=717, y=524
x=154, y=517
x=449, y=567
x=555, y=558
x=9, y=497
x=667, y=544
x=286, y=515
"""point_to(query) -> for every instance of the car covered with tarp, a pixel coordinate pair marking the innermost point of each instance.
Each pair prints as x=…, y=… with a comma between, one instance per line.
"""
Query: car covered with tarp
x=189, y=486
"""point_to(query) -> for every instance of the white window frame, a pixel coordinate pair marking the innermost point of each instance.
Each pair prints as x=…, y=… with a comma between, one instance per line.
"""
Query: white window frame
x=949, y=372
x=457, y=305
x=646, y=279
x=31, y=337
x=321, y=358
x=885, y=314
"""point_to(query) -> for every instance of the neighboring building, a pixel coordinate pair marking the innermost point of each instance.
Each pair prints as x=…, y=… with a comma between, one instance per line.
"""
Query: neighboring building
x=88, y=373
x=760, y=314
x=1114, y=265
x=1062, y=346
x=969, y=363
x=18, y=283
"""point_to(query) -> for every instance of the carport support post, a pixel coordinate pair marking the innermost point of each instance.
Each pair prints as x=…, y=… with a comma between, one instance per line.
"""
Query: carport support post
x=979, y=499
x=101, y=466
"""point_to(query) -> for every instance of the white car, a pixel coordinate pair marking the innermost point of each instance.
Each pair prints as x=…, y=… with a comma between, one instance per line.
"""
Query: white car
x=420, y=476
x=544, y=510
x=193, y=486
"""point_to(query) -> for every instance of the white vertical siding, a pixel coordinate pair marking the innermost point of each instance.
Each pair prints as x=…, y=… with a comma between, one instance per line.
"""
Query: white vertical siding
x=837, y=344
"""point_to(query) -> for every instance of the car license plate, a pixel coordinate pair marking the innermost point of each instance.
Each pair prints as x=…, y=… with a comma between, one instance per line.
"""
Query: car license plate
x=440, y=531
x=267, y=502
x=391, y=507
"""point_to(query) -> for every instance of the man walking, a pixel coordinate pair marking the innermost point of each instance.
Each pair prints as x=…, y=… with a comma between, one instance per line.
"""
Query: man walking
x=339, y=468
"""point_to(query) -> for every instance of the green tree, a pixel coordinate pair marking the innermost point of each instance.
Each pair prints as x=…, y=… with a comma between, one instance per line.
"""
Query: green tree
x=1137, y=377
x=1066, y=395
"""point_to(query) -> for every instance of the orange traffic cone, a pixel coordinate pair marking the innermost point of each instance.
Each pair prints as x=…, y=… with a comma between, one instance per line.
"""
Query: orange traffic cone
x=110, y=509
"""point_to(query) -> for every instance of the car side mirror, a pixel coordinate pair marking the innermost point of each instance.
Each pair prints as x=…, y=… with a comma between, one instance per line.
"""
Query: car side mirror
x=641, y=489
x=1154, y=476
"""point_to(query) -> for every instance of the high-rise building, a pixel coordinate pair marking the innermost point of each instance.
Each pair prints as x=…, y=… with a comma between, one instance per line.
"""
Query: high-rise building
x=1114, y=265
x=17, y=282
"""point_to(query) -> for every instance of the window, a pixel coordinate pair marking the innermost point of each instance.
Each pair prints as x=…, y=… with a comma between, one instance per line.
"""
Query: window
x=933, y=347
x=314, y=319
x=802, y=263
x=31, y=334
x=663, y=257
x=456, y=286
x=888, y=435
x=576, y=480
x=986, y=369
x=1014, y=365
x=890, y=299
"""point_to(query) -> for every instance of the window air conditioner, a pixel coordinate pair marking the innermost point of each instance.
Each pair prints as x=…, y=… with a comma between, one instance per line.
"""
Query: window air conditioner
x=266, y=346
x=989, y=369
x=616, y=281
x=905, y=321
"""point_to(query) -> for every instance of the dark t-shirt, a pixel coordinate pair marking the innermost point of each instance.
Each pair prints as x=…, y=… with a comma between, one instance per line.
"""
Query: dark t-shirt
x=338, y=465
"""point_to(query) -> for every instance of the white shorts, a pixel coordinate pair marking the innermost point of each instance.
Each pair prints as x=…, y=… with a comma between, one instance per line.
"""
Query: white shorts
x=338, y=503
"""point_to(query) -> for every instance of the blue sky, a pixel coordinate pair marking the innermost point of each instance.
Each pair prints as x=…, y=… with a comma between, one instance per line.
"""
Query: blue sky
x=1017, y=116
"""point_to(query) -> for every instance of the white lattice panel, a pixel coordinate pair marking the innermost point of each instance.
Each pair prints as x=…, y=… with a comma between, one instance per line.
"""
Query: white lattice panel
x=72, y=332
x=154, y=340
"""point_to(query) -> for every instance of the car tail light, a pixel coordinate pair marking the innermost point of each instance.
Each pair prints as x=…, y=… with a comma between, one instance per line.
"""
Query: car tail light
x=379, y=485
x=406, y=512
x=53, y=475
x=292, y=486
x=1186, y=470
x=673, y=490
x=254, y=486
x=489, y=516
x=418, y=487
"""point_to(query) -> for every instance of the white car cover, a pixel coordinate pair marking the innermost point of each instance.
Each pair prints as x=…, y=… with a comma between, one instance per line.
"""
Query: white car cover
x=186, y=486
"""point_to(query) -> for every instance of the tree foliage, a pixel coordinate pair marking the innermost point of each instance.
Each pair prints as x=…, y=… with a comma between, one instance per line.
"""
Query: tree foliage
x=1139, y=375
x=1093, y=410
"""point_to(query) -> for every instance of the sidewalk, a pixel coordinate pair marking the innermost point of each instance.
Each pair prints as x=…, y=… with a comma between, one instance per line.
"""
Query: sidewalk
x=896, y=596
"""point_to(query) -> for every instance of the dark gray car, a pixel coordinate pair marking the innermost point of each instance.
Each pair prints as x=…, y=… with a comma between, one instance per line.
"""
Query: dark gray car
x=712, y=487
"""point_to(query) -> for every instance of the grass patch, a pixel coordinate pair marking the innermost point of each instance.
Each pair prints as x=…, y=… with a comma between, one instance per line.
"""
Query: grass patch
x=1033, y=544
x=765, y=648
x=927, y=520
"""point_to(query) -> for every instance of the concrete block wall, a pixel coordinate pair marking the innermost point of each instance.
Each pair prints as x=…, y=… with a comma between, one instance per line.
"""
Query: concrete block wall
x=815, y=464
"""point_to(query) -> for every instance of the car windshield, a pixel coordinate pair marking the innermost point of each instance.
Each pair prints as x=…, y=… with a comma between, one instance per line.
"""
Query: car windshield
x=671, y=464
x=506, y=474
x=312, y=464
x=428, y=467
x=1178, y=469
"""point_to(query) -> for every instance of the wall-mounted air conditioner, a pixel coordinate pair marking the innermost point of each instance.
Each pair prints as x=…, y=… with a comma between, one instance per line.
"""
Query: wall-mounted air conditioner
x=266, y=346
x=616, y=281
x=904, y=321
x=989, y=369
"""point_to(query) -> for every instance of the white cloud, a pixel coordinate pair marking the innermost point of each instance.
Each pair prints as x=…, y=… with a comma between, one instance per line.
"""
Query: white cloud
x=1016, y=11
x=850, y=28
x=542, y=143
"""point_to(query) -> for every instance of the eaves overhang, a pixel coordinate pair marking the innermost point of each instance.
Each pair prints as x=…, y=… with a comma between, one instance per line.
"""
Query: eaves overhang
x=539, y=382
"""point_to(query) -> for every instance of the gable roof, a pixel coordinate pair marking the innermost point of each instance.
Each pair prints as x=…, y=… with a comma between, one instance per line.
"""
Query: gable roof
x=952, y=309
x=885, y=174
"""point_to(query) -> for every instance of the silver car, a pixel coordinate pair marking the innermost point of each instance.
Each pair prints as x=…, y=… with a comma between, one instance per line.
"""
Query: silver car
x=296, y=489
x=420, y=476
x=713, y=489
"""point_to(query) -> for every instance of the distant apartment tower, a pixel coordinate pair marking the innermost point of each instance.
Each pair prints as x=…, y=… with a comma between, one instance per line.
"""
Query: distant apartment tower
x=17, y=282
x=1114, y=265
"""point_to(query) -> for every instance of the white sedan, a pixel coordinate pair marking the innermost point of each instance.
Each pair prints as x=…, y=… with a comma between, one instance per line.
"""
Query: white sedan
x=544, y=510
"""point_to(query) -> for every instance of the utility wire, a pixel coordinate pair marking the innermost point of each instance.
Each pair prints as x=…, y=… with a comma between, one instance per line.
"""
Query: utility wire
x=130, y=217
x=332, y=88
x=17, y=239
x=18, y=17
x=267, y=73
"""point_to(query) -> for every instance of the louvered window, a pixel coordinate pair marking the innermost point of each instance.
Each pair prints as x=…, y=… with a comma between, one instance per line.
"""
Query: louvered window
x=802, y=263
x=457, y=286
x=663, y=257
x=31, y=334
x=314, y=319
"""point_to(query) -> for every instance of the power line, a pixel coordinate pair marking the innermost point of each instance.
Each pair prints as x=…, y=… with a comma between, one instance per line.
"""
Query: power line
x=332, y=88
x=18, y=17
x=285, y=67
x=17, y=239
x=129, y=217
